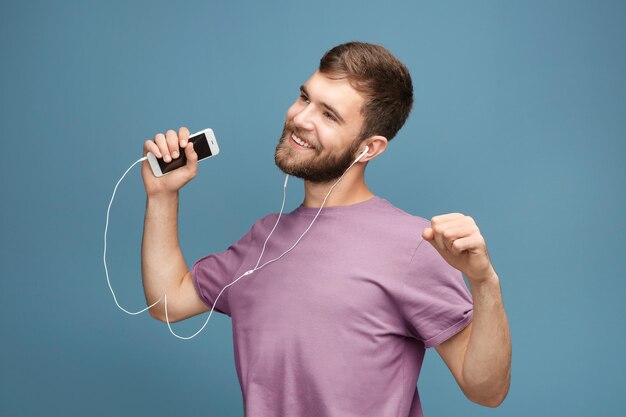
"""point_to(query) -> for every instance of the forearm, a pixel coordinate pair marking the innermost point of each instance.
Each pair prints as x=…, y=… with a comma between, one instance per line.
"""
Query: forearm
x=487, y=363
x=162, y=263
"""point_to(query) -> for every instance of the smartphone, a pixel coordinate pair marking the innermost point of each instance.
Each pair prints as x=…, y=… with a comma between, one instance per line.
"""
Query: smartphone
x=204, y=143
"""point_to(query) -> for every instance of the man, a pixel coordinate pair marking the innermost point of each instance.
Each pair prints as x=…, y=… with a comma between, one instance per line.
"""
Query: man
x=338, y=326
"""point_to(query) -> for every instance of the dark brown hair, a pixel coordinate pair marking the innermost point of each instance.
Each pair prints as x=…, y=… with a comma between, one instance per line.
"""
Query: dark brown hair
x=380, y=77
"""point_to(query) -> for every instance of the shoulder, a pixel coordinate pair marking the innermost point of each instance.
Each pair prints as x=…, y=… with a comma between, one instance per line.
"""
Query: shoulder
x=266, y=220
x=264, y=224
x=400, y=218
x=393, y=226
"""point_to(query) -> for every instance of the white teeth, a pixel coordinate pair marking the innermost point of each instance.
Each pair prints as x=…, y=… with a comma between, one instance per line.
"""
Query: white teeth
x=300, y=141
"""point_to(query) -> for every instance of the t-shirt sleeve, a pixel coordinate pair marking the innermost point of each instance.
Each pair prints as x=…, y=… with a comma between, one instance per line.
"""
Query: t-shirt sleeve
x=212, y=273
x=436, y=304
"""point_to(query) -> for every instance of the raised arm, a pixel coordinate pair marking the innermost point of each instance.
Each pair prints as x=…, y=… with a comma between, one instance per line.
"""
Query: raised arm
x=163, y=266
x=479, y=356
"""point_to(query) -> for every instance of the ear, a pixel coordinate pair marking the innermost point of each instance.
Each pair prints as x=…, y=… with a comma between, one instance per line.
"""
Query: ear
x=376, y=144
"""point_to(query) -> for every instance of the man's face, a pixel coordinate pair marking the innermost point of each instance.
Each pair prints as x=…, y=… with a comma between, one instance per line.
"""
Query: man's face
x=319, y=140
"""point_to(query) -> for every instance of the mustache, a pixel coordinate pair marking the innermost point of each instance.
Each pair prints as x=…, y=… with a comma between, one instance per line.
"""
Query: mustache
x=290, y=127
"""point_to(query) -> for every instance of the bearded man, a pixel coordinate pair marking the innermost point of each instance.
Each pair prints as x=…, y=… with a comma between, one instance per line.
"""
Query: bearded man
x=338, y=322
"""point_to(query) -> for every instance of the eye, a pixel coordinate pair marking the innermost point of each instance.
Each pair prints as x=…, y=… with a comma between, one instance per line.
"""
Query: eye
x=304, y=98
x=329, y=116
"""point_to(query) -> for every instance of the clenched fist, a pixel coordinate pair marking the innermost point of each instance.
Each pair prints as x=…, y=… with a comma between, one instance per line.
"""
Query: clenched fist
x=457, y=238
x=169, y=146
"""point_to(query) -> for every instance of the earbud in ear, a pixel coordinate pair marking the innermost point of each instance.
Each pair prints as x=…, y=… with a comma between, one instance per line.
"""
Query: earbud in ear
x=367, y=148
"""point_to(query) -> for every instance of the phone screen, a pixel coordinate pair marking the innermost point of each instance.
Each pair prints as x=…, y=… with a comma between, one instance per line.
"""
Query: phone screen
x=200, y=145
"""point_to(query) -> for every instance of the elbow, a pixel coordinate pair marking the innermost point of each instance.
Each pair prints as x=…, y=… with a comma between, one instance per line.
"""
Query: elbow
x=156, y=309
x=492, y=402
x=490, y=395
x=159, y=314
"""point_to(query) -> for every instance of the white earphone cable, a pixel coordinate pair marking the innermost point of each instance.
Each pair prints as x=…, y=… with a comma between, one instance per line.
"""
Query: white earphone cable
x=256, y=268
x=104, y=256
x=164, y=298
x=167, y=319
x=249, y=272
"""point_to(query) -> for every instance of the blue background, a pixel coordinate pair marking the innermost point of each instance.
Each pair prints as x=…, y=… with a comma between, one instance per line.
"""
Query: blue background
x=519, y=121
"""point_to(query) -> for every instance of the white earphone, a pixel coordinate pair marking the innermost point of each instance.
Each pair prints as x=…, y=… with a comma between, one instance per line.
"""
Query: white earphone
x=367, y=148
x=249, y=272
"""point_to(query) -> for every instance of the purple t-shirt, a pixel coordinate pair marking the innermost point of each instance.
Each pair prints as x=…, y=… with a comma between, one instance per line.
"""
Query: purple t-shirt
x=338, y=326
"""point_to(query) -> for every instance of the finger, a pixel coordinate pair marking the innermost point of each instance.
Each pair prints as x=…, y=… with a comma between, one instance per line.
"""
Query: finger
x=466, y=244
x=172, y=143
x=191, y=154
x=159, y=139
x=447, y=235
x=427, y=234
x=456, y=230
x=438, y=239
x=192, y=159
x=438, y=227
x=449, y=227
x=437, y=223
x=183, y=136
x=150, y=146
x=446, y=217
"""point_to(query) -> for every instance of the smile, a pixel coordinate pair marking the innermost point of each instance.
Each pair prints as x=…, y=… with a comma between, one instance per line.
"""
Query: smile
x=300, y=142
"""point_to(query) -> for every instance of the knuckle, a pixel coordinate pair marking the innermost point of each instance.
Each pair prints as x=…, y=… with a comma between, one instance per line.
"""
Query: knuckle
x=171, y=137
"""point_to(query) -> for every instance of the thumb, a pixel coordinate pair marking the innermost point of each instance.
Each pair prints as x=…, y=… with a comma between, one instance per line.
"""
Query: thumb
x=428, y=234
x=190, y=153
x=191, y=167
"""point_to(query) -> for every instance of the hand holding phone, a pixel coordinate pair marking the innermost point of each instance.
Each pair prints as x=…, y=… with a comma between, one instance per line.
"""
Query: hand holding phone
x=172, y=153
x=204, y=144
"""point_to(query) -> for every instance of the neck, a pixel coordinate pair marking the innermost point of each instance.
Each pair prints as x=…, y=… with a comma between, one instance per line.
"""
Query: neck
x=351, y=190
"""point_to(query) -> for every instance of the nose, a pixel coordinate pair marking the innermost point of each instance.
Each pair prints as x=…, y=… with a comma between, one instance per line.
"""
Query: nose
x=304, y=119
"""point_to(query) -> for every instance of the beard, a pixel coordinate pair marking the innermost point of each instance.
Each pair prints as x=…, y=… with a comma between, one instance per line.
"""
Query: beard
x=316, y=168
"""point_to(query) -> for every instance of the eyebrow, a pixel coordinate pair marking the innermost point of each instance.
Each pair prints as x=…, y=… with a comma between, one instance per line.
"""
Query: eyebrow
x=325, y=105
